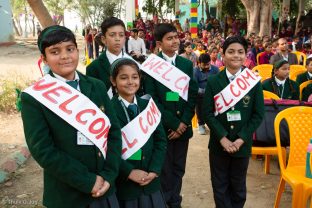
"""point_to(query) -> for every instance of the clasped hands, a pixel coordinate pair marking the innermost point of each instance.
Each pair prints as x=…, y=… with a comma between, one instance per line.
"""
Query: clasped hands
x=231, y=147
x=100, y=187
x=142, y=177
x=177, y=133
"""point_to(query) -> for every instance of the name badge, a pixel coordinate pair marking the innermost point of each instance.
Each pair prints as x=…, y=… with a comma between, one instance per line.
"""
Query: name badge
x=233, y=115
x=82, y=139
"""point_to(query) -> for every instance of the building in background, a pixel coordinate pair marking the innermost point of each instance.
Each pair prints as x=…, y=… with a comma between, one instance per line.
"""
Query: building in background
x=6, y=34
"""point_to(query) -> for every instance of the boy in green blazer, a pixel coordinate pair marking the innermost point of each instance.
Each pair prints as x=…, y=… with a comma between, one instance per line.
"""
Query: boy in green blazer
x=76, y=174
x=280, y=84
x=306, y=76
x=114, y=38
x=177, y=113
x=231, y=131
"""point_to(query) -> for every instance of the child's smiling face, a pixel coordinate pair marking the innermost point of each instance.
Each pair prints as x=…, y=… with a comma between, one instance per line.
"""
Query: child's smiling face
x=62, y=58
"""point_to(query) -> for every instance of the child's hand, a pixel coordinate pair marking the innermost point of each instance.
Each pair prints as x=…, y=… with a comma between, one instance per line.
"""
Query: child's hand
x=173, y=135
x=182, y=128
x=99, y=181
x=138, y=176
x=102, y=190
x=151, y=176
x=228, y=145
x=238, y=143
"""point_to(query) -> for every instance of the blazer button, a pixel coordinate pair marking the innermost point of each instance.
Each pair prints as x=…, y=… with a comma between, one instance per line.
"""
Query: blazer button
x=143, y=157
x=232, y=126
x=99, y=154
x=178, y=113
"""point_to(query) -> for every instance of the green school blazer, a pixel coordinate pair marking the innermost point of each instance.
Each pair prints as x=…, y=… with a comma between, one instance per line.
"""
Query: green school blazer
x=153, y=155
x=302, y=78
x=69, y=169
x=291, y=88
x=100, y=69
x=174, y=112
x=251, y=108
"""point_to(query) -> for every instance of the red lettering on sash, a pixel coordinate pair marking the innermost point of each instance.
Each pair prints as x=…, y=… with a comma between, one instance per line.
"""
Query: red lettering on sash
x=97, y=121
x=130, y=145
x=104, y=133
x=218, y=105
x=178, y=80
x=104, y=146
x=78, y=116
x=54, y=91
x=154, y=109
x=232, y=91
x=164, y=75
x=151, y=64
x=144, y=130
x=149, y=117
x=227, y=103
x=239, y=81
x=38, y=87
x=64, y=105
x=160, y=67
x=249, y=75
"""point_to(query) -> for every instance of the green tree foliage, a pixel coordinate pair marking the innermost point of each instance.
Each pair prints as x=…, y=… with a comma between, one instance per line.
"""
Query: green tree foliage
x=233, y=8
x=159, y=7
x=57, y=8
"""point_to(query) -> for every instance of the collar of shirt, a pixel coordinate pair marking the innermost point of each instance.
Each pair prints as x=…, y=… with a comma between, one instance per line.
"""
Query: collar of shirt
x=229, y=75
x=64, y=80
x=112, y=57
x=279, y=82
x=310, y=75
x=170, y=59
x=126, y=102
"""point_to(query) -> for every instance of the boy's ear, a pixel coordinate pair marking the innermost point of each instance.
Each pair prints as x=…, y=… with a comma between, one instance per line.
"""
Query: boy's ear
x=158, y=43
x=103, y=39
x=44, y=59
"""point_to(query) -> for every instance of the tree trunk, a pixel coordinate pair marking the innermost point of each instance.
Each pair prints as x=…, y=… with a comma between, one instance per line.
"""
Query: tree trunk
x=300, y=14
x=15, y=27
x=33, y=25
x=259, y=16
x=207, y=9
x=266, y=18
x=19, y=25
x=41, y=12
x=285, y=10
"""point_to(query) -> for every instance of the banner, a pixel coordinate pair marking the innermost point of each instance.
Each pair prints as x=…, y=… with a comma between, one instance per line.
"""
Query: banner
x=235, y=91
x=167, y=74
x=144, y=124
x=74, y=107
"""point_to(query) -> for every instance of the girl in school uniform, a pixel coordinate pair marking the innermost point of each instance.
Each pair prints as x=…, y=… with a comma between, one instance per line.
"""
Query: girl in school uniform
x=138, y=184
x=280, y=84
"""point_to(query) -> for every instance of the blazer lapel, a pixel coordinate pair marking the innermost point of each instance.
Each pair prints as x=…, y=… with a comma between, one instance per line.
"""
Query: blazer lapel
x=85, y=85
x=119, y=111
x=222, y=79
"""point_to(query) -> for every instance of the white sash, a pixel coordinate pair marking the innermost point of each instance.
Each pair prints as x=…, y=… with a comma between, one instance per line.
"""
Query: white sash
x=235, y=91
x=136, y=133
x=74, y=107
x=167, y=74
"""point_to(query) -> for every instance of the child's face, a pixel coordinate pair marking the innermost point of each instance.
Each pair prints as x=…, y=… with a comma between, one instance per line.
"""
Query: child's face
x=127, y=81
x=309, y=67
x=188, y=49
x=62, y=58
x=283, y=72
x=199, y=46
x=169, y=43
x=234, y=56
x=268, y=49
x=114, y=39
x=214, y=53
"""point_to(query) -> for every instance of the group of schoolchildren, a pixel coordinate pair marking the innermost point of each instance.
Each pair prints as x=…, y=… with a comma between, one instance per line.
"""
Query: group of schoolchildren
x=76, y=174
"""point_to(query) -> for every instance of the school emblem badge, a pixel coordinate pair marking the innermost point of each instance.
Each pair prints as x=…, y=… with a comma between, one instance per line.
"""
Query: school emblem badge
x=246, y=100
x=102, y=108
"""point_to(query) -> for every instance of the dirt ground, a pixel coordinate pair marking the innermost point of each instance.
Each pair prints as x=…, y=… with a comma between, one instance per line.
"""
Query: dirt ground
x=25, y=187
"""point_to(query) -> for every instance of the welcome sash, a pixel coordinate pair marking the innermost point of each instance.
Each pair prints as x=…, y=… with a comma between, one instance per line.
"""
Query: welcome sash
x=167, y=74
x=136, y=133
x=74, y=107
x=235, y=91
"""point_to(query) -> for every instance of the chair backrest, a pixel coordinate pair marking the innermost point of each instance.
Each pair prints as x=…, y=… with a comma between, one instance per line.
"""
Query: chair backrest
x=264, y=70
x=302, y=86
x=258, y=55
x=299, y=55
x=221, y=68
x=270, y=95
x=294, y=73
x=299, y=123
x=297, y=67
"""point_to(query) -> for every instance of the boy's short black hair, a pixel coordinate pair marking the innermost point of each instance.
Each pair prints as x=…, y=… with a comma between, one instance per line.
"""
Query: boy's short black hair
x=235, y=39
x=110, y=22
x=53, y=35
x=187, y=44
x=135, y=30
x=204, y=58
x=162, y=29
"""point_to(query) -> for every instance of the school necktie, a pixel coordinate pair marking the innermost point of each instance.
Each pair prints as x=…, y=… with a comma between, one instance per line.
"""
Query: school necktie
x=280, y=89
x=132, y=110
x=232, y=78
x=73, y=83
